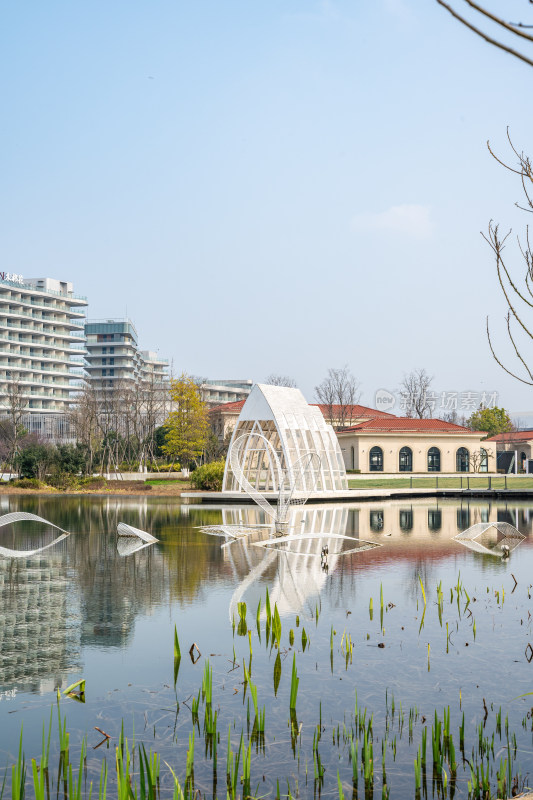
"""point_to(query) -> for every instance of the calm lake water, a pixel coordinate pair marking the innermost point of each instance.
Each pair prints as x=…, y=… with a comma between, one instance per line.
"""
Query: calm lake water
x=81, y=609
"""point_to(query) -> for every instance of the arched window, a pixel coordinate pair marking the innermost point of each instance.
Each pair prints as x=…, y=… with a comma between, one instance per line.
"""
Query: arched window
x=433, y=459
x=463, y=518
x=462, y=460
x=484, y=461
x=434, y=519
x=376, y=459
x=376, y=520
x=406, y=460
x=406, y=519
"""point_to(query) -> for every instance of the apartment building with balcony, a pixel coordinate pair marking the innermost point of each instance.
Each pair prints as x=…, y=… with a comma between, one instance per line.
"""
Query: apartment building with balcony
x=42, y=350
x=220, y=390
x=113, y=356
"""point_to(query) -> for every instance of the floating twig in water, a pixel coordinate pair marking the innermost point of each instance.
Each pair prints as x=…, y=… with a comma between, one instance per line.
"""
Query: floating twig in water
x=191, y=652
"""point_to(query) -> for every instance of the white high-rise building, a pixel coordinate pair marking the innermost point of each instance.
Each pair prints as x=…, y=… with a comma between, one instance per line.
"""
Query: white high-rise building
x=113, y=356
x=41, y=350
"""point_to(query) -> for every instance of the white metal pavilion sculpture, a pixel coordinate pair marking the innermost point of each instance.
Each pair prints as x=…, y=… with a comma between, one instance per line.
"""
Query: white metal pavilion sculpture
x=508, y=538
x=128, y=530
x=21, y=516
x=294, y=430
x=295, y=485
x=131, y=540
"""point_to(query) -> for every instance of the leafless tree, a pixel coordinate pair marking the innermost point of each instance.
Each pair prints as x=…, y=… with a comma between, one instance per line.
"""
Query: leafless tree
x=478, y=458
x=339, y=393
x=516, y=32
x=84, y=423
x=15, y=407
x=518, y=294
x=455, y=418
x=280, y=380
x=417, y=399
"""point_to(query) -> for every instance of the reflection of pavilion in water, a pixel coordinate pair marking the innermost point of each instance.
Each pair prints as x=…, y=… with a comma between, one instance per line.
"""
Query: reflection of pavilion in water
x=417, y=533
x=39, y=619
x=296, y=574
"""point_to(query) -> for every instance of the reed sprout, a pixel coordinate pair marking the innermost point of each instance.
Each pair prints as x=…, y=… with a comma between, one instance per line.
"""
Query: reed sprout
x=423, y=590
x=294, y=683
x=276, y=625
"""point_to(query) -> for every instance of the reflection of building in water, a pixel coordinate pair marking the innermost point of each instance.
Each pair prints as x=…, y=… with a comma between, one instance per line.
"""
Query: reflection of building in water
x=422, y=516
x=39, y=620
x=114, y=589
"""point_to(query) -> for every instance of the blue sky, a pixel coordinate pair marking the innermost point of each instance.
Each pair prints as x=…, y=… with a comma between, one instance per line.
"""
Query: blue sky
x=279, y=186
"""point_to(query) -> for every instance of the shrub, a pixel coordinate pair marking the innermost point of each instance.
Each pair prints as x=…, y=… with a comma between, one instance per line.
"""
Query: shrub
x=27, y=483
x=35, y=460
x=208, y=476
x=70, y=459
x=62, y=480
x=93, y=482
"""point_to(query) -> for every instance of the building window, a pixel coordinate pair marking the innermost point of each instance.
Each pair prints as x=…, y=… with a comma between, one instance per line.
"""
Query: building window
x=434, y=519
x=406, y=520
x=484, y=461
x=376, y=459
x=433, y=459
x=522, y=462
x=376, y=521
x=406, y=460
x=463, y=518
x=462, y=460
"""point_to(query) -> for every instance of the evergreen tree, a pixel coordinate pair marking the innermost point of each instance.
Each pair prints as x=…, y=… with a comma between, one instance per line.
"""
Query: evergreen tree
x=492, y=420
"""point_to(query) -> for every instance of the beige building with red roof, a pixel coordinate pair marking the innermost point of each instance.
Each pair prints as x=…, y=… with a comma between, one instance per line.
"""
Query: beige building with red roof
x=401, y=444
x=375, y=441
x=224, y=417
x=519, y=444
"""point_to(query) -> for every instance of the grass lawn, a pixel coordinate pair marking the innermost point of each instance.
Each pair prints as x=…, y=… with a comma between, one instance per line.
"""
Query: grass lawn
x=474, y=482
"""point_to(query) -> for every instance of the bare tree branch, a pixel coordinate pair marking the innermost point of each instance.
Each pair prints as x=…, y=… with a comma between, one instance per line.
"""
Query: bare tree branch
x=484, y=36
x=415, y=394
x=507, y=25
x=280, y=380
x=339, y=392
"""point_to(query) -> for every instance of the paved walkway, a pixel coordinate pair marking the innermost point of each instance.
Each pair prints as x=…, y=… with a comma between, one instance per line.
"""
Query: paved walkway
x=355, y=495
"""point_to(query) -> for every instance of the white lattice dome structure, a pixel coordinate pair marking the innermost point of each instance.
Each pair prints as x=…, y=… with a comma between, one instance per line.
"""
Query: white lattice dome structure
x=294, y=429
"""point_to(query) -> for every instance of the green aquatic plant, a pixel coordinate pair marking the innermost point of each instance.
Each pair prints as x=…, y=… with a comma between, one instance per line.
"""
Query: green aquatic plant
x=423, y=590
x=177, y=649
x=276, y=625
x=294, y=683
